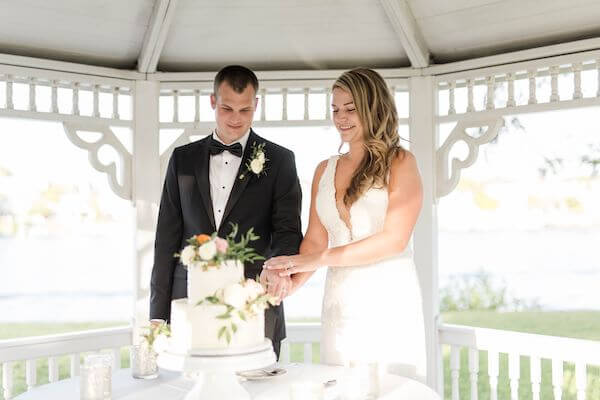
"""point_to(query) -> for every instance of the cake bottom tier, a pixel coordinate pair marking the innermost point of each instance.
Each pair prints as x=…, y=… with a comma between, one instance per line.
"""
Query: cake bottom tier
x=197, y=327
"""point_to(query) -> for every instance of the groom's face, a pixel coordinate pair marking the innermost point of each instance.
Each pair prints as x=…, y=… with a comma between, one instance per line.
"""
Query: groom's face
x=234, y=111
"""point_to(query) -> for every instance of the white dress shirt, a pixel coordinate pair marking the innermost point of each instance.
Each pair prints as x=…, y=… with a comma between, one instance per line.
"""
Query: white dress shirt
x=222, y=175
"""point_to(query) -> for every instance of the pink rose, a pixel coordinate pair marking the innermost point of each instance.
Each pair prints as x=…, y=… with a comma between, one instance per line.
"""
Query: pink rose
x=221, y=245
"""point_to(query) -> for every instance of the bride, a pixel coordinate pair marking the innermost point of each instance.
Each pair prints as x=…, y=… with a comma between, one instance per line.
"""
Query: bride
x=364, y=206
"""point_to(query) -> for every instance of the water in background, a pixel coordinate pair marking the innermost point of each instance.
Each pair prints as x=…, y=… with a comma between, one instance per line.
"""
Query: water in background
x=91, y=279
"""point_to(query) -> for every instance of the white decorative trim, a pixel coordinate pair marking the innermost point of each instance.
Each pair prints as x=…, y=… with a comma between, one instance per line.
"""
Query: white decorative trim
x=183, y=138
x=156, y=34
x=408, y=31
x=108, y=138
x=447, y=180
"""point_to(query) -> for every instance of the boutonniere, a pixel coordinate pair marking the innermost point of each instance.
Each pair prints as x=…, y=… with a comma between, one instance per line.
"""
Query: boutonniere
x=257, y=161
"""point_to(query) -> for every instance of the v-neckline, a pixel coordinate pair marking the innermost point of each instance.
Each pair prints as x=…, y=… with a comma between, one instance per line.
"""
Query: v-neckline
x=348, y=224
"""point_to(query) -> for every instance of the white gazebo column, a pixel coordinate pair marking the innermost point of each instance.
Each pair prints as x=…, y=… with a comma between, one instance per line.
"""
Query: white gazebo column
x=423, y=144
x=146, y=192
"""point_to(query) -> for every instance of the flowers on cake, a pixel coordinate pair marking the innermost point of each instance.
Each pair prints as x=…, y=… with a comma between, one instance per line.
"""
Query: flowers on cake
x=242, y=301
x=211, y=251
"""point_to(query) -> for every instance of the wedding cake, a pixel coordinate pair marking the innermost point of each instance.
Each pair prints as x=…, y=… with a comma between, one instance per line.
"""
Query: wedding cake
x=223, y=310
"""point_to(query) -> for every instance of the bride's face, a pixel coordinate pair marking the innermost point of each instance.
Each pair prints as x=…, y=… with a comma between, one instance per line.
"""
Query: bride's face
x=345, y=116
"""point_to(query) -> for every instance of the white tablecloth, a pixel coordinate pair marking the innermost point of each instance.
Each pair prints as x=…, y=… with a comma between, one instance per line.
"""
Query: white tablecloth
x=171, y=385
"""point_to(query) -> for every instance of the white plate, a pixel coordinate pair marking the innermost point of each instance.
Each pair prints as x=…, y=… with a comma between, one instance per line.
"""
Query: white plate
x=259, y=374
x=232, y=351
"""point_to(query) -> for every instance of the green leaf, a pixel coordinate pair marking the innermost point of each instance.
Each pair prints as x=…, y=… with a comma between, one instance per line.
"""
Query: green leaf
x=234, y=327
x=227, y=315
x=242, y=315
x=228, y=336
x=222, y=331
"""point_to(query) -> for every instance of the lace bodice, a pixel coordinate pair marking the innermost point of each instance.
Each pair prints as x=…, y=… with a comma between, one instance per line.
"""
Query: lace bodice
x=367, y=214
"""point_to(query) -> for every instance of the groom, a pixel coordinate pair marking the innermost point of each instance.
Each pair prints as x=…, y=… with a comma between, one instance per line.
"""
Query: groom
x=209, y=183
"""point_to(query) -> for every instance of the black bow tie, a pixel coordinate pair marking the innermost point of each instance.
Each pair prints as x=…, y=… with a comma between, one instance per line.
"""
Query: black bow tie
x=216, y=147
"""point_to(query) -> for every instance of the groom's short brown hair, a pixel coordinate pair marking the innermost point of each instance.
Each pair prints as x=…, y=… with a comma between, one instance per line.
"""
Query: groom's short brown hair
x=236, y=76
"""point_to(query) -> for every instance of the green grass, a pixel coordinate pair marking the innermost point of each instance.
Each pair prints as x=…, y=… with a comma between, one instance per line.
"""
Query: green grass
x=576, y=324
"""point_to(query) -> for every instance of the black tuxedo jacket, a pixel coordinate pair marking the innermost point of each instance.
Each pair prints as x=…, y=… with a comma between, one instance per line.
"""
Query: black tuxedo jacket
x=269, y=203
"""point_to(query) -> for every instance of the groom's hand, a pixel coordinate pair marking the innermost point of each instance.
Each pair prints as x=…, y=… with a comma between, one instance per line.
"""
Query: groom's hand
x=276, y=285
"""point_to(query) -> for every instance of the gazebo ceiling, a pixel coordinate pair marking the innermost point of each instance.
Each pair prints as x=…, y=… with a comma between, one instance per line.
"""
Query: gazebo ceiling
x=203, y=35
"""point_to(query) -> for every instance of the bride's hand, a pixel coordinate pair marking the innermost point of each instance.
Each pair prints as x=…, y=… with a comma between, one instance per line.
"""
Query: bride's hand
x=289, y=265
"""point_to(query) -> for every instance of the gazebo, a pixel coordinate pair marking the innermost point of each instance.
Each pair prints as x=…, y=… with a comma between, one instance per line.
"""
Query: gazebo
x=160, y=56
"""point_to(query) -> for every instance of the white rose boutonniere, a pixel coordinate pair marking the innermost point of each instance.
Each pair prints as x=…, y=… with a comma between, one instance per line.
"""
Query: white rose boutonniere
x=257, y=161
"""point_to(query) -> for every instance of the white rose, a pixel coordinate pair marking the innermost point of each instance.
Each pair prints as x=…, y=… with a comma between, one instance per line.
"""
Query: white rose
x=253, y=289
x=161, y=343
x=235, y=296
x=261, y=157
x=208, y=251
x=187, y=255
x=256, y=166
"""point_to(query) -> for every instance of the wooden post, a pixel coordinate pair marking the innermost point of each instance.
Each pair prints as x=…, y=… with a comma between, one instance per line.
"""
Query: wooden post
x=146, y=192
x=424, y=138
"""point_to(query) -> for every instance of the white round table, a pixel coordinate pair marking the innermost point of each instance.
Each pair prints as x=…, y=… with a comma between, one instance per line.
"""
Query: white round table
x=172, y=386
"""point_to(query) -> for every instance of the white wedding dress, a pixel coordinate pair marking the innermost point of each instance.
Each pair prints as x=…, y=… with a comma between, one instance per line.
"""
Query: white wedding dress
x=370, y=312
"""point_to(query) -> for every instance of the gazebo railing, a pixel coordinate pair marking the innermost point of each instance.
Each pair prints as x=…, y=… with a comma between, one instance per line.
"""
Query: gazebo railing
x=559, y=350
x=51, y=347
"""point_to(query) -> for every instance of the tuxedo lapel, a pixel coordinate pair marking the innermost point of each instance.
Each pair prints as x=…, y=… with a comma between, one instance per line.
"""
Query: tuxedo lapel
x=240, y=184
x=202, y=171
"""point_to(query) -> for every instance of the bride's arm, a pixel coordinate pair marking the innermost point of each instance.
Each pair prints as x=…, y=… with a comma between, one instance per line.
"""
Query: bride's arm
x=316, y=239
x=405, y=199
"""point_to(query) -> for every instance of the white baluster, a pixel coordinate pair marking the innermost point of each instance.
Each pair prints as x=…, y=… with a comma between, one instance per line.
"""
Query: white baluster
x=263, y=104
x=306, y=95
x=284, y=111
x=598, y=72
x=30, y=373
x=52, y=369
x=327, y=104
x=74, y=361
x=536, y=377
x=470, y=106
x=514, y=373
x=115, y=113
x=76, y=98
x=451, y=105
x=7, y=379
x=554, y=70
x=54, y=97
x=493, y=371
x=175, y=106
x=510, y=77
x=197, y=105
x=473, y=371
x=580, y=379
x=577, y=94
x=96, y=101
x=491, y=83
x=557, y=378
x=455, y=370
x=32, y=105
x=116, y=359
x=284, y=352
x=9, y=92
x=532, y=88
x=308, y=353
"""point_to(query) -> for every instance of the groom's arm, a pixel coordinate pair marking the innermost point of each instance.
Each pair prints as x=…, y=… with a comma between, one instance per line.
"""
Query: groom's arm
x=286, y=226
x=167, y=243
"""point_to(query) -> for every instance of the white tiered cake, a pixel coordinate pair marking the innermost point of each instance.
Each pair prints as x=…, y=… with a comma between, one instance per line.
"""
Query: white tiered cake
x=197, y=327
x=223, y=310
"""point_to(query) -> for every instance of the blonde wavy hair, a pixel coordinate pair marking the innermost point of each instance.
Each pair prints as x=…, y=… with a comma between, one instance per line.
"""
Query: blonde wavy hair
x=376, y=110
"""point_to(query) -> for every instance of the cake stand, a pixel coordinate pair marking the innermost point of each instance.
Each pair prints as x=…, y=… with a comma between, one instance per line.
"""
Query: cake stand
x=216, y=369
